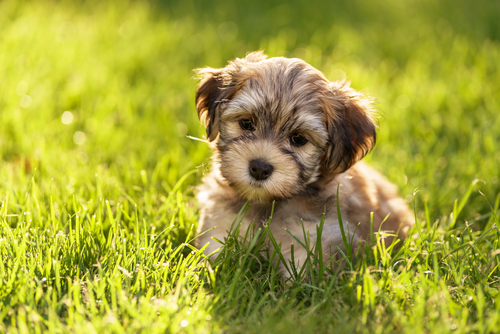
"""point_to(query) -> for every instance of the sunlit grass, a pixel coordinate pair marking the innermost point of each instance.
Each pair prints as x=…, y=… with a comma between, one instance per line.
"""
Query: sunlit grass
x=98, y=176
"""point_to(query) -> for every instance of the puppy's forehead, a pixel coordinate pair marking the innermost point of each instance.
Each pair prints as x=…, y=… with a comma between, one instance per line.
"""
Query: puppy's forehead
x=279, y=89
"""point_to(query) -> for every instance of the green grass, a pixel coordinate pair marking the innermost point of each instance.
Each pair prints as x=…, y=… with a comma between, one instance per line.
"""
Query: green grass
x=96, y=215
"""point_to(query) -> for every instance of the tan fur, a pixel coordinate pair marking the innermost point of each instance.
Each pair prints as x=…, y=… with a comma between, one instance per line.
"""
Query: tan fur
x=284, y=98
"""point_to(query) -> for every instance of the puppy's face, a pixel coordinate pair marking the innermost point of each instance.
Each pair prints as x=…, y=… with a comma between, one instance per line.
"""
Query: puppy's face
x=279, y=125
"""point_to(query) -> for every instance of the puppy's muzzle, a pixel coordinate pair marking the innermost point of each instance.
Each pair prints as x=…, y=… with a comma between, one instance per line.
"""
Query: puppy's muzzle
x=260, y=170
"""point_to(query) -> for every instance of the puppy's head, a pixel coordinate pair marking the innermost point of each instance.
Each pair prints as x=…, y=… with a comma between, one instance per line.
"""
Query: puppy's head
x=279, y=125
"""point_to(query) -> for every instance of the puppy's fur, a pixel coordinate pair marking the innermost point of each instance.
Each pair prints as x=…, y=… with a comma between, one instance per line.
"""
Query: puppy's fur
x=280, y=131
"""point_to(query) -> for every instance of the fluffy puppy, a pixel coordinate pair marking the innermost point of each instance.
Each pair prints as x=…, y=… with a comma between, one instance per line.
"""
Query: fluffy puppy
x=280, y=131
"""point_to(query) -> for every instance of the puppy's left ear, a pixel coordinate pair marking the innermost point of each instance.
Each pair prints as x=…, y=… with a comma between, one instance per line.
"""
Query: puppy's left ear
x=351, y=126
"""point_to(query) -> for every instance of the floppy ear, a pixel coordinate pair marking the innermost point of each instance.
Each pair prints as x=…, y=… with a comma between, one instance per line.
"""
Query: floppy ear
x=208, y=96
x=351, y=126
x=218, y=86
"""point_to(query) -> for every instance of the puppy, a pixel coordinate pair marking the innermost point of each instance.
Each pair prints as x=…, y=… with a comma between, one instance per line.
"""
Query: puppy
x=281, y=132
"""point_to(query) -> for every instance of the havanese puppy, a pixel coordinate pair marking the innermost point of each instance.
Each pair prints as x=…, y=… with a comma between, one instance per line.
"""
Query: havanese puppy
x=281, y=132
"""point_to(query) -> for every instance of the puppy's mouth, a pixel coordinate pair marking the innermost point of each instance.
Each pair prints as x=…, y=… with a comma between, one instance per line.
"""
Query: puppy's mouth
x=255, y=192
x=262, y=182
x=252, y=189
x=257, y=184
x=259, y=171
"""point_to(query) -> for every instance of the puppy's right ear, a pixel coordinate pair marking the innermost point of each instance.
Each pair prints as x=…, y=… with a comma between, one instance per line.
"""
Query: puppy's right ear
x=208, y=97
x=218, y=86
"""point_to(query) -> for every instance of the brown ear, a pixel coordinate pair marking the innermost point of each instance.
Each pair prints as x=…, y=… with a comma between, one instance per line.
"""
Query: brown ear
x=218, y=86
x=208, y=96
x=351, y=125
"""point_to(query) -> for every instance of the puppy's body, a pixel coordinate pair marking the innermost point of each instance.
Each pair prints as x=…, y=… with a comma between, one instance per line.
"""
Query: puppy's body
x=281, y=132
x=362, y=190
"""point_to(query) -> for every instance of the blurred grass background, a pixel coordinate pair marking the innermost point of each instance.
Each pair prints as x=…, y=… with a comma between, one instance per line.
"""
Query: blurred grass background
x=124, y=72
x=97, y=97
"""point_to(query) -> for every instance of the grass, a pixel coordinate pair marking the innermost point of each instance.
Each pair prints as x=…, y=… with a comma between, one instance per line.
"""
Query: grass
x=97, y=205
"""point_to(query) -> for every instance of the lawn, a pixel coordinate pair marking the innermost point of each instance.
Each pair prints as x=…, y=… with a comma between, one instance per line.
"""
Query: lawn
x=98, y=178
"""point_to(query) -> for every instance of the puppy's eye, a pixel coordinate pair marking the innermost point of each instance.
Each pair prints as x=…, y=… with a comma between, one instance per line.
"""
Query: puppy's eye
x=246, y=124
x=298, y=140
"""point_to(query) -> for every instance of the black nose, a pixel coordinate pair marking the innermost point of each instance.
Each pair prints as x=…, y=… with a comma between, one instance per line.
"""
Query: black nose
x=260, y=170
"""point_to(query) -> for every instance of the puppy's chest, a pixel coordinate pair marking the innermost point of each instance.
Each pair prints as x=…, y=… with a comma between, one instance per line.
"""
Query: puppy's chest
x=285, y=214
